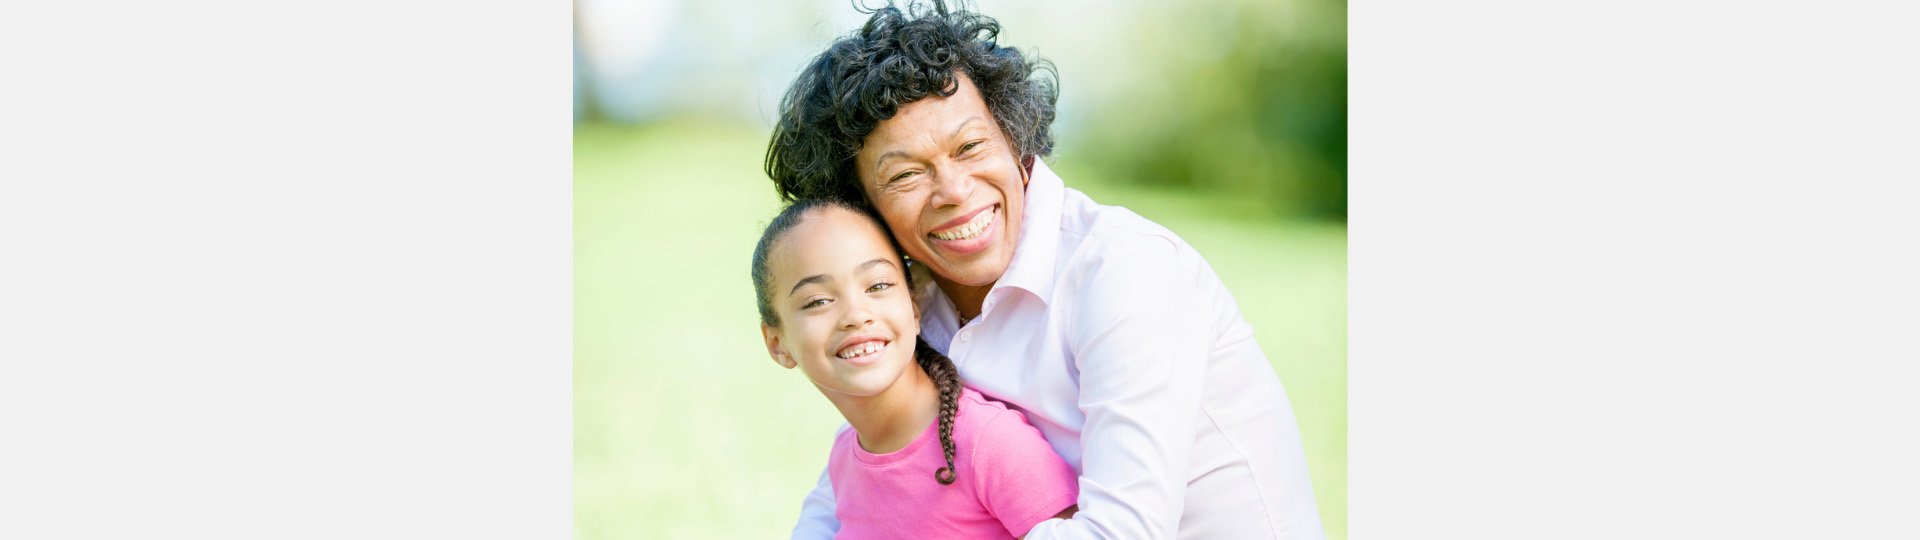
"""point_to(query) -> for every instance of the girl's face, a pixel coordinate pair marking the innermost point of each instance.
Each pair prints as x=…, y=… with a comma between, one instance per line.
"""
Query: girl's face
x=846, y=317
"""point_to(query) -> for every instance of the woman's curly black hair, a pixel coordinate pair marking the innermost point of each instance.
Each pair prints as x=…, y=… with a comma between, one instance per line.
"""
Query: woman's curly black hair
x=898, y=58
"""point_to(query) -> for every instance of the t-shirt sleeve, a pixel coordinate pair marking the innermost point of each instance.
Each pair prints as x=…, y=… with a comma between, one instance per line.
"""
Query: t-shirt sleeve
x=817, y=519
x=1021, y=481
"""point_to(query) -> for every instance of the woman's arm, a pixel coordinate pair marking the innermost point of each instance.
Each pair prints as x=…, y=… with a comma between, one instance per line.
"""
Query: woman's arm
x=1141, y=336
x=816, y=513
x=817, y=520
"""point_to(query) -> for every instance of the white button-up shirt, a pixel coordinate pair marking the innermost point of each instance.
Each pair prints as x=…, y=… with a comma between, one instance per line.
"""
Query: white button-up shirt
x=1120, y=344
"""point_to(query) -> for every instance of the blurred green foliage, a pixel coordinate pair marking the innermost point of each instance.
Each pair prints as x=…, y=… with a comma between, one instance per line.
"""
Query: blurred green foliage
x=1242, y=98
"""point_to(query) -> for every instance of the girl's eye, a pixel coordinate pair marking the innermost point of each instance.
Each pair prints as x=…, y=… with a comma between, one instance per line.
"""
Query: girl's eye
x=815, y=303
x=881, y=286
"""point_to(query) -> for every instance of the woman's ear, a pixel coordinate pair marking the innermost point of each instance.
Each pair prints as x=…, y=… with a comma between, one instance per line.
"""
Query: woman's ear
x=779, y=354
x=1026, y=171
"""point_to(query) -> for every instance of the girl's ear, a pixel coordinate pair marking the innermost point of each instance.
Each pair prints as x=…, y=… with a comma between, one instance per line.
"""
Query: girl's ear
x=779, y=354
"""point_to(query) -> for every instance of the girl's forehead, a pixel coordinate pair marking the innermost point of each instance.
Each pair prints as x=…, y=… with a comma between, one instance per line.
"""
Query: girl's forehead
x=844, y=224
x=830, y=240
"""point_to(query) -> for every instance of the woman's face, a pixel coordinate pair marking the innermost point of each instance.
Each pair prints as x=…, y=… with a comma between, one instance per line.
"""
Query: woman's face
x=949, y=184
x=846, y=317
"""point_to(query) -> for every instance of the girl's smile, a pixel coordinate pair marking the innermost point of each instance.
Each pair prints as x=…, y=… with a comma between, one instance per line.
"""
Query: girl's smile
x=862, y=350
x=845, y=305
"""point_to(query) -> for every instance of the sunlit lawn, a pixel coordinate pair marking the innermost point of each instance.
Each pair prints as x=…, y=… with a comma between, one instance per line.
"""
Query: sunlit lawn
x=683, y=428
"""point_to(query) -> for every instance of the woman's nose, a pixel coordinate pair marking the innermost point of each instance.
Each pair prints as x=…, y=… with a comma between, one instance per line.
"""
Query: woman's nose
x=951, y=188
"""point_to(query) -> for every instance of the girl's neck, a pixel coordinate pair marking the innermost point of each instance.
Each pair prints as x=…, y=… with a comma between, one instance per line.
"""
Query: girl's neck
x=896, y=416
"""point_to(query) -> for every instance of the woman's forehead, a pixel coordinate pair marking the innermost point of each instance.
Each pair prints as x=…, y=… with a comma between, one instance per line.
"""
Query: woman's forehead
x=929, y=119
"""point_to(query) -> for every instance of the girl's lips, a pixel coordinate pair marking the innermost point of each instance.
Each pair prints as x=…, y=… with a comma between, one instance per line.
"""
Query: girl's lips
x=973, y=245
x=865, y=359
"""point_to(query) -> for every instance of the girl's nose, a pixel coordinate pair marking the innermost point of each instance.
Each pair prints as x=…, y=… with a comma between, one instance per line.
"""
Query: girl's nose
x=857, y=314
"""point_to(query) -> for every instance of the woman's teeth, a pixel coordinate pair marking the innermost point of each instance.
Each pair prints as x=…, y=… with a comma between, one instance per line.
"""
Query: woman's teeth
x=969, y=230
x=862, y=349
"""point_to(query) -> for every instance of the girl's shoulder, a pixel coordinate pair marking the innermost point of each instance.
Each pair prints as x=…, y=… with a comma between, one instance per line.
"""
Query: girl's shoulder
x=1010, y=466
x=976, y=407
x=845, y=442
x=981, y=414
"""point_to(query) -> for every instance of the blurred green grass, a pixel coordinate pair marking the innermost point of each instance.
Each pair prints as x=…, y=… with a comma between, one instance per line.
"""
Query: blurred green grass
x=683, y=428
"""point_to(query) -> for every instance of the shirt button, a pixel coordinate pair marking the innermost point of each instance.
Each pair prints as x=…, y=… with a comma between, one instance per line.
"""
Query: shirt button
x=966, y=335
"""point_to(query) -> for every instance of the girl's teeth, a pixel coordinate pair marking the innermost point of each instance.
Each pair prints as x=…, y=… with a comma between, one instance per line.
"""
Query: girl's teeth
x=862, y=350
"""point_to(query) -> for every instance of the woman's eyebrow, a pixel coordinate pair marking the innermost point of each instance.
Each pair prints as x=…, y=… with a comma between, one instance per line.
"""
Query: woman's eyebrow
x=963, y=126
x=881, y=162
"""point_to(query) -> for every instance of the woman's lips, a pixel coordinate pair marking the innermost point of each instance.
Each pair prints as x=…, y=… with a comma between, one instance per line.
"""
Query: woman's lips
x=970, y=236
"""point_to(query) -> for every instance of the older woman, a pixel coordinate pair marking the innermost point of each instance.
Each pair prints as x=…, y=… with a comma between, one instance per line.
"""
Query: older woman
x=1109, y=332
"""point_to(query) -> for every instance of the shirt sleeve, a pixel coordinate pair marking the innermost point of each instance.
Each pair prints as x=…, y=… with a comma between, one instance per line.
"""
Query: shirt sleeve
x=817, y=521
x=1021, y=481
x=816, y=513
x=1140, y=336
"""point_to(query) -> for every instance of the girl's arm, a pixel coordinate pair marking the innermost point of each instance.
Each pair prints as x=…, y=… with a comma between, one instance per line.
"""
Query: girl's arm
x=1064, y=514
x=1017, y=476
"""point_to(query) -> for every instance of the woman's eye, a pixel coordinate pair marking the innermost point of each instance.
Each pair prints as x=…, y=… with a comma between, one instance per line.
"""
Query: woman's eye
x=969, y=146
x=881, y=286
x=901, y=176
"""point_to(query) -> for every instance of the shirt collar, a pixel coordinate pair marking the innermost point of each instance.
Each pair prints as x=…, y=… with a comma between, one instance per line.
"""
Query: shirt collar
x=1039, y=244
x=1033, y=258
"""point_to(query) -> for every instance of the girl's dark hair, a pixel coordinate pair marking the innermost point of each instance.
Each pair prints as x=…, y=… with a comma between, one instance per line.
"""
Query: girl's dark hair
x=895, y=59
x=937, y=366
x=947, y=378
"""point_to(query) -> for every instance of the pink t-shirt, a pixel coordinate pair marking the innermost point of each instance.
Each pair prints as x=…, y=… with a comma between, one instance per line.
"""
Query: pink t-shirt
x=1009, y=479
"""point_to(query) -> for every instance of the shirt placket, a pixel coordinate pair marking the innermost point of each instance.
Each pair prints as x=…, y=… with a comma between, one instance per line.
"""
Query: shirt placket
x=964, y=339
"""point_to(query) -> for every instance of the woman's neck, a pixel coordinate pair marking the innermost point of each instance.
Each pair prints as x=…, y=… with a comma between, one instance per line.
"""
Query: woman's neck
x=966, y=298
x=896, y=416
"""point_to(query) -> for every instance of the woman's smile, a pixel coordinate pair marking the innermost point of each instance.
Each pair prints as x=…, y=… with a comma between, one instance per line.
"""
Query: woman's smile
x=970, y=234
x=967, y=227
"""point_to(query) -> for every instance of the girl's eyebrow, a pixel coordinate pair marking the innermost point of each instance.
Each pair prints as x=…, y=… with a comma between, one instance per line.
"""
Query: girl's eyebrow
x=822, y=278
x=870, y=264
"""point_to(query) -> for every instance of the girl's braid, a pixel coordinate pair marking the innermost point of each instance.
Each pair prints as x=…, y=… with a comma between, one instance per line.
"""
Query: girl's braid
x=947, y=379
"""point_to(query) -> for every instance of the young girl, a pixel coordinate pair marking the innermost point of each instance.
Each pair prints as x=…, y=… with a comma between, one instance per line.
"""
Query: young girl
x=926, y=458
